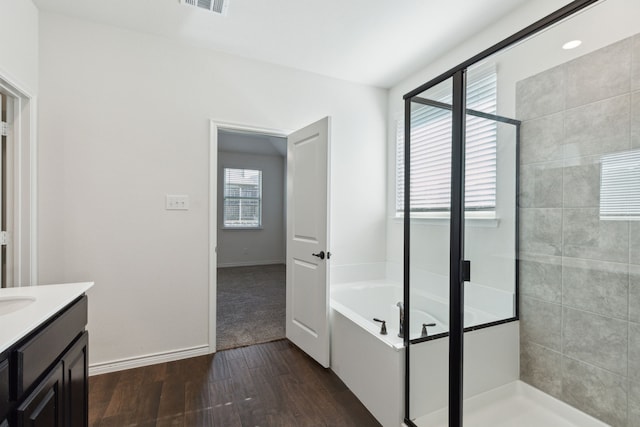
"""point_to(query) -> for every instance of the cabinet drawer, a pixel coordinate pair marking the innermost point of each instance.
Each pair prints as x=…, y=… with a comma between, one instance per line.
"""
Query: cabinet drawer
x=33, y=357
x=4, y=389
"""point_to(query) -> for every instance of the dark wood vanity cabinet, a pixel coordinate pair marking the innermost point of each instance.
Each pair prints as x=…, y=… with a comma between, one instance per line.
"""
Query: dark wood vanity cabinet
x=48, y=371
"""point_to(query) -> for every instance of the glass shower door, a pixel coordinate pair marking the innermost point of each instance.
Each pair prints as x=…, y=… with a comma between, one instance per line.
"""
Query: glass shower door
x=491, y=176
x=489, y=239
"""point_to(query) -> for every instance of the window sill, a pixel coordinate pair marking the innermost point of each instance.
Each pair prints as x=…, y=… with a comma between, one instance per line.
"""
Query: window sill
x=241, y=228
x=479, y=221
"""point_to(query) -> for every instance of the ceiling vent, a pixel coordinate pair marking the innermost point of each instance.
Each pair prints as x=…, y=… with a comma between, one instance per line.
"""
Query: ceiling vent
x=215, y=6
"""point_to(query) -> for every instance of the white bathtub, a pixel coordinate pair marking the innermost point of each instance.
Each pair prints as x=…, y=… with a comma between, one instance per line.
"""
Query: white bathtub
x=372, y=365
x=363, y=301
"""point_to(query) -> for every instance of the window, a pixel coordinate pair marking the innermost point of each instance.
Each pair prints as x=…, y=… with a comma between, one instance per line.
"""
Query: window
x=620, y=186
x=431, y=149
x=242, y=198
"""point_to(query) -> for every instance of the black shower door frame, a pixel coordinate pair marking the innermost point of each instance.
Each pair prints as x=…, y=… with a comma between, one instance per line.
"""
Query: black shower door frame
x=457, y=265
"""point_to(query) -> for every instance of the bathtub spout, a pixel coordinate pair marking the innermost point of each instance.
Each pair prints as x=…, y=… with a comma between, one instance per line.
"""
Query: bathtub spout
x=400, y=305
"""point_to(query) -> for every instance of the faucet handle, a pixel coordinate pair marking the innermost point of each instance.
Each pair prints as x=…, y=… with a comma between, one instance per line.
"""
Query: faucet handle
x=424, y=332
x=383, y=327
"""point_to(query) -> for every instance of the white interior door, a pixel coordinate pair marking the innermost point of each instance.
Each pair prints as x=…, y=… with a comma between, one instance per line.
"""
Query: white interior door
x=308, y=240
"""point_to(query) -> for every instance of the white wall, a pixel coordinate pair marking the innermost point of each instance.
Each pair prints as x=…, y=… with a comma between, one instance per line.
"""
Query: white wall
x=19, y=44
x=254, y=247
x=125, y=120
x=490, y=246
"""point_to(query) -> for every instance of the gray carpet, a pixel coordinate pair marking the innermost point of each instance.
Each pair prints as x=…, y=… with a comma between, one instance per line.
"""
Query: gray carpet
x=251, y=305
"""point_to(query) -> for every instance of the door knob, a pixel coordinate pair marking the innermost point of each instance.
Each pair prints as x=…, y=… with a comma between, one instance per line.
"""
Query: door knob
x=319, y=255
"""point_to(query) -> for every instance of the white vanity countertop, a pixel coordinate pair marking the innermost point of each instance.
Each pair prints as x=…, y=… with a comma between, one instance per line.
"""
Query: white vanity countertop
x=49, y=299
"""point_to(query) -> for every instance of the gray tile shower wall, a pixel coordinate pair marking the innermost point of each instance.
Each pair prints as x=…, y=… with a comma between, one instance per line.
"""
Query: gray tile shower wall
x=580, y=273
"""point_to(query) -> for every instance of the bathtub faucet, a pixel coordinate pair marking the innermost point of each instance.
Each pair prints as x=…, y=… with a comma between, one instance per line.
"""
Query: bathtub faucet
x=400, y=305
x=424, y=332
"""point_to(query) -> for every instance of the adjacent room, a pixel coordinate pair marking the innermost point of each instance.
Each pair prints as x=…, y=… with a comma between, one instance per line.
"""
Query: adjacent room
x=238, y=213
x=251, y=239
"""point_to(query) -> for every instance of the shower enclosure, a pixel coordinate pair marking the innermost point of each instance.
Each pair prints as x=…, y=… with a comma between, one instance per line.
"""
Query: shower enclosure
x=521, y=200
x=483, y=254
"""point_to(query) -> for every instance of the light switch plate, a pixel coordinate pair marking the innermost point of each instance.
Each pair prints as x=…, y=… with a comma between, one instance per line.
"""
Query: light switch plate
x=177, y=202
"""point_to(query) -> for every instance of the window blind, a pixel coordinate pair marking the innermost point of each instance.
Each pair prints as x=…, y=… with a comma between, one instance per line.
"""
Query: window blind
x=431, y=148
x=620, y=186
x=242, y=198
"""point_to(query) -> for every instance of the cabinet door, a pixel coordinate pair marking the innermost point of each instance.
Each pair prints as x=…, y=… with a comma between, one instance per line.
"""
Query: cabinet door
x=76, y=390
x=44, y=406
x=4, y=389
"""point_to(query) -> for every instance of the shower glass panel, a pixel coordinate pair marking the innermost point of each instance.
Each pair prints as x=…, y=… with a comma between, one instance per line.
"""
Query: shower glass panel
x=490, y=169
x=429, y=199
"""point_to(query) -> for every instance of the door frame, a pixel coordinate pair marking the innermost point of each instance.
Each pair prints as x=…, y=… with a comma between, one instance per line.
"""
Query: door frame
x=215, y=126
x=22, y=181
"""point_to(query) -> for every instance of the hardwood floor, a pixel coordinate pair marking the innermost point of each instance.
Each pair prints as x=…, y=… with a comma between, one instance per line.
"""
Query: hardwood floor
x=271, y=384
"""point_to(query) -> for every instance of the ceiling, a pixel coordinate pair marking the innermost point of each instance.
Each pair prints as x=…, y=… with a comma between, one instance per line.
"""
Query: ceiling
x=372, y=42
x=251, y=143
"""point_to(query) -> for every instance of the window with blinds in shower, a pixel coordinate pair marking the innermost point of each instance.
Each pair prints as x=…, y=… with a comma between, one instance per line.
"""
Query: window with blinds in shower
x=431, y=150
x=620, y=186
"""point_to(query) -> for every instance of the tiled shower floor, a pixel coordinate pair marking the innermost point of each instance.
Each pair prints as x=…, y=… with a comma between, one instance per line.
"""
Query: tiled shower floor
x=514, y=405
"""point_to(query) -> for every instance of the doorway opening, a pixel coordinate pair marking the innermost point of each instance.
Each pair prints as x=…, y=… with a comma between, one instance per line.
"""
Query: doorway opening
x=251, y=238
x=306, y=239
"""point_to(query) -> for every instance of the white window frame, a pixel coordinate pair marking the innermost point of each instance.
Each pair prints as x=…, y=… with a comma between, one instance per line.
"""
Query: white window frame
x=241, y=198
x=486, y=77
x=620, y=186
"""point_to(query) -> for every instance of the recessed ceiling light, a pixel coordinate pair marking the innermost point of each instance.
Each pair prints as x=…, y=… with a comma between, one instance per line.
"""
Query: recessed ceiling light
x=572, y=44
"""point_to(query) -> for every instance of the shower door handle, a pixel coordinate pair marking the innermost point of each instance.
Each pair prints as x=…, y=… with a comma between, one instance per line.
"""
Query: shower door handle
x=319, y=255
x=466, y=271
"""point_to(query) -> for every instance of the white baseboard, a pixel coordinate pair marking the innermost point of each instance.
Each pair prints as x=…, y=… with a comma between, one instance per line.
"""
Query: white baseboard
x=146, y=360
x=249, y=263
